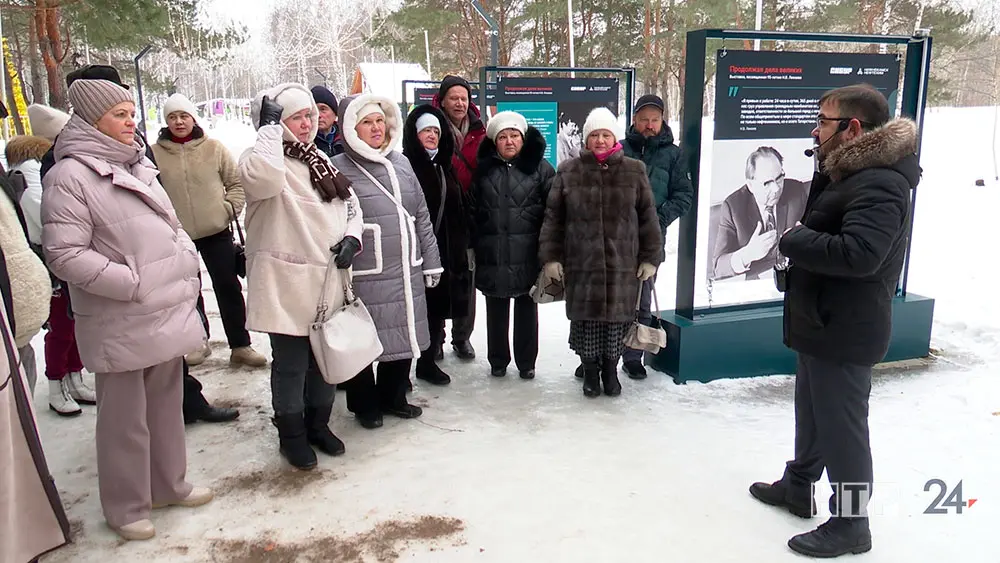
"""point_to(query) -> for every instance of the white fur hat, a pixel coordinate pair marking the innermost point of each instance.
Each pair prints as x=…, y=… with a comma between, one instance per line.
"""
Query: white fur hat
x=601, y=118
x=506, y=120
x=428, y=120
x=179, y=102
x=294, y=100
x=46, y=122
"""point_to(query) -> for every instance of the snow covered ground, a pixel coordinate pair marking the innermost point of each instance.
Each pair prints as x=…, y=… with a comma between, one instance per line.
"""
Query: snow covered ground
x=506, y=470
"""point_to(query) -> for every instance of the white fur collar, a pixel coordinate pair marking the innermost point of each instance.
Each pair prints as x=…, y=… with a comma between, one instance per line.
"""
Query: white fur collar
x=393, y=125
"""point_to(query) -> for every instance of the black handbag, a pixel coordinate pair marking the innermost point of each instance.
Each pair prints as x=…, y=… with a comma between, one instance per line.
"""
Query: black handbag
x=240, y=251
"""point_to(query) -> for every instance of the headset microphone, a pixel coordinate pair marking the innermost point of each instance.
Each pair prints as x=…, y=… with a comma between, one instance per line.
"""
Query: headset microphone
x=841, y=127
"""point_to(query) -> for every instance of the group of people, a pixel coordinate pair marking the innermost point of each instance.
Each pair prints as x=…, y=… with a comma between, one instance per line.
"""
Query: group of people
x=464, y=206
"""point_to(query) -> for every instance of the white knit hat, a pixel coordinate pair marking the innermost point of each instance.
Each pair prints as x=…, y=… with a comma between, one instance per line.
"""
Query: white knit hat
x=601, y=118
x=294, y=100
x=179, y=102
x=368, y=109
x=428, y=120
x=46, y=122
x=506, y=120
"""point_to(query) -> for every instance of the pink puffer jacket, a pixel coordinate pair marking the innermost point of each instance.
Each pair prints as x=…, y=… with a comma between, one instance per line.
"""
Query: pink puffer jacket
x=109, y=231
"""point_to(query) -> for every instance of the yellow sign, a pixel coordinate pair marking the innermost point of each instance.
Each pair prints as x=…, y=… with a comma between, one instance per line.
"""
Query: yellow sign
x=15, y=86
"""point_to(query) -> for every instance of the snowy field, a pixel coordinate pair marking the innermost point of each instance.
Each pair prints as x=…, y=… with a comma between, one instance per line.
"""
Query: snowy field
x=503, y=470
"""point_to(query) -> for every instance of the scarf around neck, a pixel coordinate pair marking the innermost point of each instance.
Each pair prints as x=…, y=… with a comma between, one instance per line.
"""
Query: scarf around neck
x=603, y=157
x=326, y=179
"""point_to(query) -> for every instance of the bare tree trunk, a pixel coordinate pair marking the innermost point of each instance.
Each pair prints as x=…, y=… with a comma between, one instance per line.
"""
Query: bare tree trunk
x=37, y=86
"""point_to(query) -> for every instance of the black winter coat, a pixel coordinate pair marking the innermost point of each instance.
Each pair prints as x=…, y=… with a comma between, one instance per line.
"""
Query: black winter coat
x=331, y=149
x=508, y=207
x=667, y=173
x=848, y=254
x=451, y=298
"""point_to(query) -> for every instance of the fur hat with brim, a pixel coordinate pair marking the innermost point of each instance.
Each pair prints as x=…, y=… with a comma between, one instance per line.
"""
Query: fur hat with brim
x=45, y=121
x=506, y=120
x=601, y=118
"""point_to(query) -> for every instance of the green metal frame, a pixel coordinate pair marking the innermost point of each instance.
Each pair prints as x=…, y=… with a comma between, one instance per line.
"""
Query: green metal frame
x=627, y=71
x=914, y=101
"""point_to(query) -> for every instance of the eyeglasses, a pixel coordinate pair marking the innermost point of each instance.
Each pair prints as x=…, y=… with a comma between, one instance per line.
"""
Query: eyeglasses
x=820, y=119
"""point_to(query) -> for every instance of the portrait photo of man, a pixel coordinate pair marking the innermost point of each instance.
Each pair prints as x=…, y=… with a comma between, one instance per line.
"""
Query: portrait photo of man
x=752, y=219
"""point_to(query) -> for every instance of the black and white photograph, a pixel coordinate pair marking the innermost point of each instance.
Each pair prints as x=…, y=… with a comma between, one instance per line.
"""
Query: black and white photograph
x=759, y=189
x=571, y=118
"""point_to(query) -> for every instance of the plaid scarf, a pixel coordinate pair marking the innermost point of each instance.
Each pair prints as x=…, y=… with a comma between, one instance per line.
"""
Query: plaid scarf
x=326, y=179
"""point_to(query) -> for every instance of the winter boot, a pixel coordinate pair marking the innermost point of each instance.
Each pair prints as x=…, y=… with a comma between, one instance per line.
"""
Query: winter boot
x=60, y=400
x=247, y=356
x=591, y=377
x=429, y=371
x=82, y=393
x=293, y=440
x=833, y=538
x=464, y=350
x=318, y=431
x=634, y=369
x=579, y=371
x=609, y=377
x=778, y=494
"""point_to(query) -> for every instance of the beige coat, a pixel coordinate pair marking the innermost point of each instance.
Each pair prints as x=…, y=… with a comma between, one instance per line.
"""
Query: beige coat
x=289, y=231
x=32, y=520
x=30, y=286
x=202, y=181
x=109, y=231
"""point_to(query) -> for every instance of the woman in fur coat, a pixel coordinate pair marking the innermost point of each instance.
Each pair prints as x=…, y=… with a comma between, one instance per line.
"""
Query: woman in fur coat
x=602, y=237
x=429, y=149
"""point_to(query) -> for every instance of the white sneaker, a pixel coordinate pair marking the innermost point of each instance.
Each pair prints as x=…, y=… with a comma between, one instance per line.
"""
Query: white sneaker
x=78, y=389
x=197, y=497
x=60, y=400
x=198, y=357
x=137, y=531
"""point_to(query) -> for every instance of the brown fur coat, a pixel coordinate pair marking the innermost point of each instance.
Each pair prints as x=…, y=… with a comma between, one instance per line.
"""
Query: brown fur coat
x=600, y=224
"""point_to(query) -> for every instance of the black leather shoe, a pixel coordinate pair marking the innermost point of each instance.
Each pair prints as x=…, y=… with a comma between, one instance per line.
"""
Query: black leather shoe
x=527, y=374
x=498, y=372
x=405, y=411
x=634, y=369
x=370, y=421
x=833, y=538
x=776, y=494
x=429, y=371
x=211, y=414
x=464, y=350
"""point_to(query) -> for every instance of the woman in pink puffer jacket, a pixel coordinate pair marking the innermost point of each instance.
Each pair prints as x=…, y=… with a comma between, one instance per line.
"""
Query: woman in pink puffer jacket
x=110, y=232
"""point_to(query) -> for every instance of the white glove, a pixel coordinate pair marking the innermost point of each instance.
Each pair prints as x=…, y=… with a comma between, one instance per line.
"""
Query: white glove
x=554, y=270
x=646, y=271
x=432, y=280
x=471, y=256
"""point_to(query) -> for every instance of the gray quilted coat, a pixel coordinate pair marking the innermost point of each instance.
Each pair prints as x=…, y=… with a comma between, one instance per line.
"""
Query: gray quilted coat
x=398, y=245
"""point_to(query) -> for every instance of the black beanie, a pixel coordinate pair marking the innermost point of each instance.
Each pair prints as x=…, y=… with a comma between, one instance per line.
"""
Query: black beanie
x=321, y=95
x=450, y=82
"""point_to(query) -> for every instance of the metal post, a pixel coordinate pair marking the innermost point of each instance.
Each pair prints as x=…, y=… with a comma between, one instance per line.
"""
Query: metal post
x=323, y=76
x=760, y=22
x=138, y=89
x=427, y=49
x=569, y=23
x=494, y=38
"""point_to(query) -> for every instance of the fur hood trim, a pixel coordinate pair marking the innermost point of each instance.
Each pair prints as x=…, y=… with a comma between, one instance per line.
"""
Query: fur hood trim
x=348, y=119
x=527, y=161
x=23, y=148
x=879, y=148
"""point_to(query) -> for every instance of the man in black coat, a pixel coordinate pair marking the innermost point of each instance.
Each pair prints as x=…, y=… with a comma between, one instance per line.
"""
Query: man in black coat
x=196, y=406
x=846, y=257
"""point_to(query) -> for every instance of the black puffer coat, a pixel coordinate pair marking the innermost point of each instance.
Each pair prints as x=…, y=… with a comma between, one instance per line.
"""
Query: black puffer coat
x=450, y=299
x=508, y=206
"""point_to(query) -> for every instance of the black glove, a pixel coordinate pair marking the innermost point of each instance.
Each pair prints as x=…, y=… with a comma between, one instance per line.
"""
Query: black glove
x=270, y=112
x=344, y=252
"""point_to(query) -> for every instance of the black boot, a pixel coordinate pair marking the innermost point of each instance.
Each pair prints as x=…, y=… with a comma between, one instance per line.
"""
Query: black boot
x=464, y=350
x=778, y=494
x=591, y=377
x=318, y=431
x=609, y=377
x=429, y=371
x=579, y=371
x=293, y=441
x=833, y=538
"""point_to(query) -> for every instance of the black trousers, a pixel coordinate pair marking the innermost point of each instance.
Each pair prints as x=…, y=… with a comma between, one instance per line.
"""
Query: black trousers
x=194, y=401
x=462, y=327
x=219, y=256
x=366, y=396
x=525, y=332
x=831, y=432
x=437, y=338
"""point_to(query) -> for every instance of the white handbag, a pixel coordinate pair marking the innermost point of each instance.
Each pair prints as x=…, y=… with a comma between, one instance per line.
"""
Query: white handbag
x=648, y=338
x=344, y=341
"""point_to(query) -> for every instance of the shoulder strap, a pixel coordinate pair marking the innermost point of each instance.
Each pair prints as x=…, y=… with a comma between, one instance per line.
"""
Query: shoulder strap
x=388, y=194
x=322, y=308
